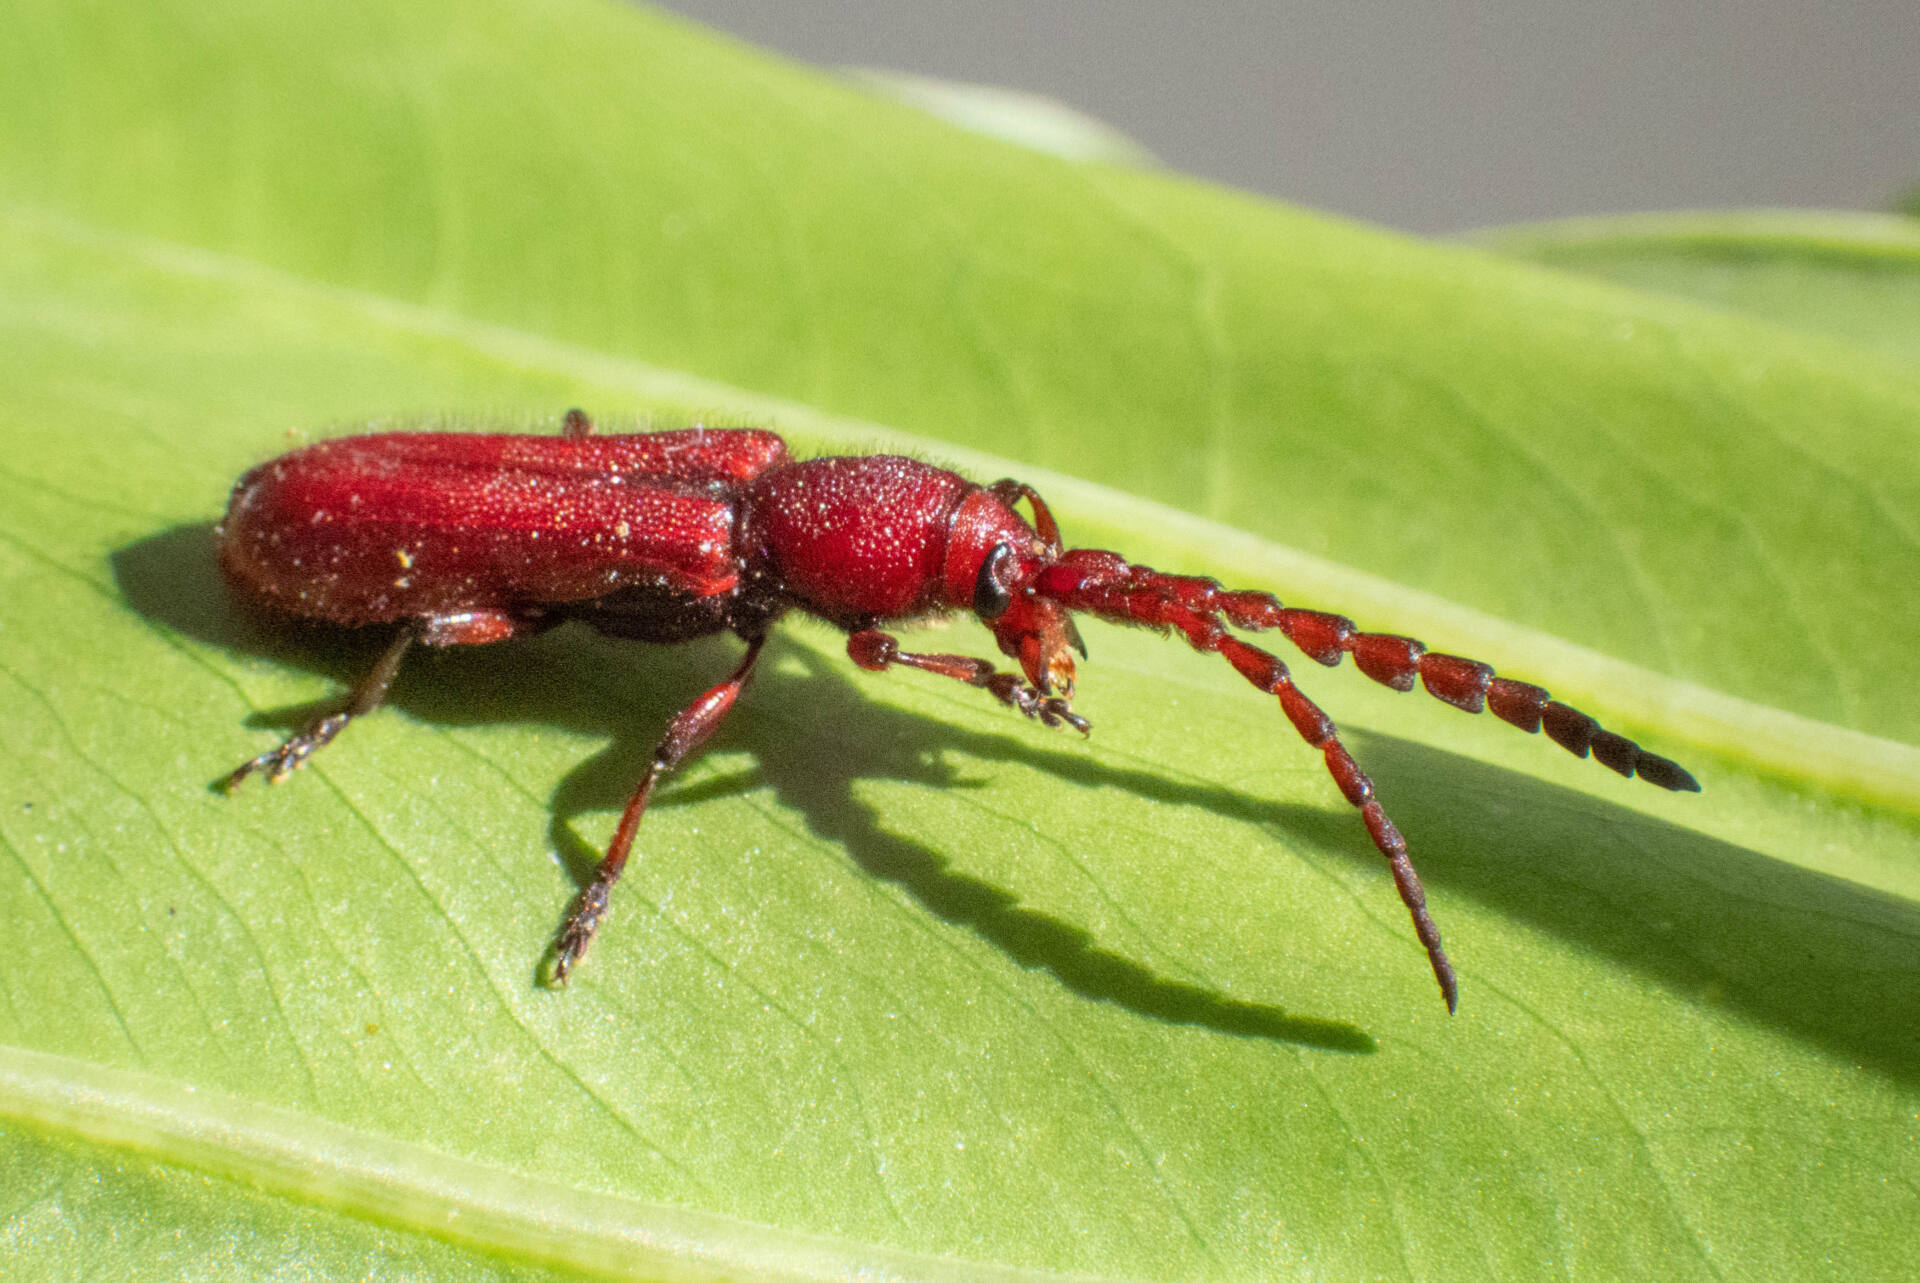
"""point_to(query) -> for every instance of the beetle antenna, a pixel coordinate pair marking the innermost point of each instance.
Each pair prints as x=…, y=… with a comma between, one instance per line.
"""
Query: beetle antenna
x=1009, y=492
x=1107, y=585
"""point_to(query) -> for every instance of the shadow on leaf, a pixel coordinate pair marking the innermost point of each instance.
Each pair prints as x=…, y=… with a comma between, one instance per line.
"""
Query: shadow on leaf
x=1828, y=960
x=1719, y=925
x=585, y=685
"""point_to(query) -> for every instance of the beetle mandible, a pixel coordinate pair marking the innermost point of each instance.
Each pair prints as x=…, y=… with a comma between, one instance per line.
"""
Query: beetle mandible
x=462, y=539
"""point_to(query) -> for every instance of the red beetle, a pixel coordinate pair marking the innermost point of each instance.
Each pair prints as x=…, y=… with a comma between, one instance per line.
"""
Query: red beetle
x=666, y=536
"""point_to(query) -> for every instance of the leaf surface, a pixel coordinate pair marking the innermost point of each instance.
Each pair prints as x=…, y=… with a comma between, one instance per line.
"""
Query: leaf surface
x=902, y=983
x=1849, y=276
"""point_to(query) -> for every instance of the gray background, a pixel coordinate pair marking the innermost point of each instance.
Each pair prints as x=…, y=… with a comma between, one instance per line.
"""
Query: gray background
x=1437, y=118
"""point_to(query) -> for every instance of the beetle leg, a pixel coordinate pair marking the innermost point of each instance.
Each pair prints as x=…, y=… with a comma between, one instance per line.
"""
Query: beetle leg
x=875, y=651
x=464, y=628
x=687, y=732
x=366, y=697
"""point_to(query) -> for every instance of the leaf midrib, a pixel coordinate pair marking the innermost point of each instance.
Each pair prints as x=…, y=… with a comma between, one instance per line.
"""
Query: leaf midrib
x=419, y=1188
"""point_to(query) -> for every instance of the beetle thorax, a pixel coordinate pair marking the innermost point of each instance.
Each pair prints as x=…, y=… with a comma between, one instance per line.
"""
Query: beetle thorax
x=855, y=539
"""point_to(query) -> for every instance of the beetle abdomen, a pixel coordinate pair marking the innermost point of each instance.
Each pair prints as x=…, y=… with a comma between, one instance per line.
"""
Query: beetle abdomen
x=379, y=528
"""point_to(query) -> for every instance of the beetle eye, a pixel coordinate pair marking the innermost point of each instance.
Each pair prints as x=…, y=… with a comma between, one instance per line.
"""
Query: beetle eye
x=990, y=597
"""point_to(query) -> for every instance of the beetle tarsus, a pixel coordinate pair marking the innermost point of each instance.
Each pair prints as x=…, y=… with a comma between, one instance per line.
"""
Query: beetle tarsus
x=290, y=756
x=582, y=924
x=1048, y=710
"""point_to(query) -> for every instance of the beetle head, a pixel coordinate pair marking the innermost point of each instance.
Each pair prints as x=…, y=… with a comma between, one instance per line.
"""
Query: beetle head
x=994, y=559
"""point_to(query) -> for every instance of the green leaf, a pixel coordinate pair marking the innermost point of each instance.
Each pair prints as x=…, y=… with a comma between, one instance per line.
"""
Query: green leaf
x=1846, y=276
x=901, y=983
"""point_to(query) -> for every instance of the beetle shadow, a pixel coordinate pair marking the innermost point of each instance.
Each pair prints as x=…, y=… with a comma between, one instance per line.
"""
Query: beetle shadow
x=585, y=685
x=1720, y=926
x=815, y=776
x=1830, y=961
x=1715, y=924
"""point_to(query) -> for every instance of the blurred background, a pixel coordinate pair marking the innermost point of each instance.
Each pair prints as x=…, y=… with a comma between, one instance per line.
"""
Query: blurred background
x=1436, y=118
